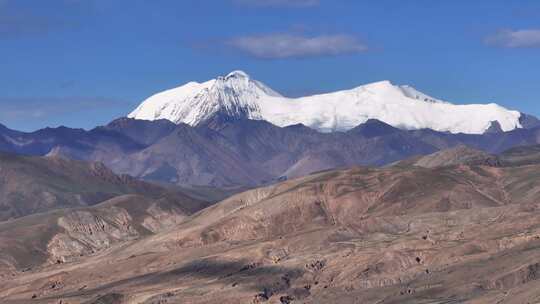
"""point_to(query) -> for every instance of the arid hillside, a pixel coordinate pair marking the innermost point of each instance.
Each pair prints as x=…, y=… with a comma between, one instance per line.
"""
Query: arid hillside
x=31, y=184
x=459, y=233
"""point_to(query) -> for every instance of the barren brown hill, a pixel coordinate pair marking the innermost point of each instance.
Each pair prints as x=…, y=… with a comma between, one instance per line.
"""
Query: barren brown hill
x=523, y=155
x=31, y=184
x=455, y=156
x=448, y=234
x=69, y=234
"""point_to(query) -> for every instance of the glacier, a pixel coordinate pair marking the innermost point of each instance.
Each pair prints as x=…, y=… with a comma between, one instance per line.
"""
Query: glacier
x=237, y=95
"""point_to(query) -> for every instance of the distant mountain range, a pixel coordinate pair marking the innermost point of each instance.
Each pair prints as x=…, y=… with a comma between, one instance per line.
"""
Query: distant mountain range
x=241, y=97
x=227, y=152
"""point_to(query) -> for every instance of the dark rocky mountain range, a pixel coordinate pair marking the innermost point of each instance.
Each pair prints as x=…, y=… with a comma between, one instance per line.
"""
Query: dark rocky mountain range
x=231, y=153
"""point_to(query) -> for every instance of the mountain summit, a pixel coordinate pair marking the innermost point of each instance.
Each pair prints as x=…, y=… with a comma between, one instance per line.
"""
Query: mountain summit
x=238, y=96
x=235, y=95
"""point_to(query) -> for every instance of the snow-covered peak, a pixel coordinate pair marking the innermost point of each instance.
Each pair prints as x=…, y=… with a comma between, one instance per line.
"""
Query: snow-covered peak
x=379, y=84
x=414, y=93
x=234, y=95
x=237, y=95
x=237, y=74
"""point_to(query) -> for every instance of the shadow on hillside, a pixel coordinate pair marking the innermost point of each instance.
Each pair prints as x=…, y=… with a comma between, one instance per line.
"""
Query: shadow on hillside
x=261, y=279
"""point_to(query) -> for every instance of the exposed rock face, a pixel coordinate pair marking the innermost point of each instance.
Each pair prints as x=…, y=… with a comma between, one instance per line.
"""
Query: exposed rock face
x=160, y=219
x=464, y=233
x=86, y=233
x=68, y=235
x=529, y=121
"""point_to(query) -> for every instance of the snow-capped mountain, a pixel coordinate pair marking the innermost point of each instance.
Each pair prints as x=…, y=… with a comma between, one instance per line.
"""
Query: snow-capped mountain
x=235, y=95
x=238, y=96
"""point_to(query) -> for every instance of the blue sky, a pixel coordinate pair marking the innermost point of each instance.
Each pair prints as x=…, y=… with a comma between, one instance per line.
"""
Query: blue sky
x=82, y=63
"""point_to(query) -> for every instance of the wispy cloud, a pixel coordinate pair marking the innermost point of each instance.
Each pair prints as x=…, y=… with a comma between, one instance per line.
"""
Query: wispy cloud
x=278, y=3
x=528, y=38
x=279, y=46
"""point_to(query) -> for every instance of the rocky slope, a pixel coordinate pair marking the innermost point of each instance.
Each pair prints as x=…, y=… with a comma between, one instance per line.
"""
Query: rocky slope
x=522, y=155
x=461, y=233
x=453, y=156
x=67, y=235
x=30, y=184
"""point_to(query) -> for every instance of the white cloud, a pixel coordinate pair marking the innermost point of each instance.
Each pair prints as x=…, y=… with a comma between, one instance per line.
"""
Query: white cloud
x=528, y=38
x=278, y=46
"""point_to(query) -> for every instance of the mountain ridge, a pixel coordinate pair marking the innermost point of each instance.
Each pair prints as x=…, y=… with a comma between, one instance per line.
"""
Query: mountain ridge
x=241, y=152
x=32, y=184
x=238, y=96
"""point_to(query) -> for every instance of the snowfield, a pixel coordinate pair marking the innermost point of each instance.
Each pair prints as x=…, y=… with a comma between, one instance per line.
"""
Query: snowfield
x=239, y=96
